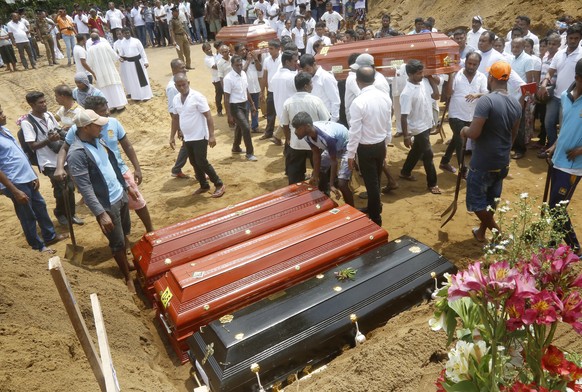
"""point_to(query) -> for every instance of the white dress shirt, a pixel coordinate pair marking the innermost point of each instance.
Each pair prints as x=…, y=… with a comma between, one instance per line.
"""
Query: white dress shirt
x=352, y=89
x=237, y=86
x=314, y=39
x=302, y=102
x=325, y=87
x=210, y=61
x=459, y=107
x=283, y=87
x=416, y=102
x=564, y=64
x=473, y=38
x=370, y=119
x=192, y=121
x=271, y=66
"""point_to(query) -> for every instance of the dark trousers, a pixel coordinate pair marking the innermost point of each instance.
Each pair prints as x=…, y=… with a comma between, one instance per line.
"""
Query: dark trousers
x=456, y=144
x=295, y=165
x=563, y=187
x=255, y=116
x=141, y=34
x=25, y=47
x=242, y=131
x=271, y=115
x=59, y=187
x=421, y=149
x=181, y=160
x=30, y=214
x=370, y=159
x=164, y=33
x=197, y=152
x=553, y=109
x=540, y=113
x=519, y=143
x=218, y=93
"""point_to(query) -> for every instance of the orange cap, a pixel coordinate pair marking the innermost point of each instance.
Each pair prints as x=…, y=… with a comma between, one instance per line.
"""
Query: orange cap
x=500, y=70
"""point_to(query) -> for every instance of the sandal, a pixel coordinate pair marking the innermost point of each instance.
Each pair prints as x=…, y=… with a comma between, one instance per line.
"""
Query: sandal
x=48, y=251
x=219, y=191
x=474, y=231
x=409, y=177
x=58, y=237
x=435, y=190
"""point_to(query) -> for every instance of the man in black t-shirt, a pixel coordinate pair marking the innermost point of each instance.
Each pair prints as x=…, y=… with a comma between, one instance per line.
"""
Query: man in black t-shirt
x=493, y=130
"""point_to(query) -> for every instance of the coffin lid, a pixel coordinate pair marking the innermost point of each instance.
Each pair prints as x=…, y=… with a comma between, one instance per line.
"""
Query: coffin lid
x=439, y=53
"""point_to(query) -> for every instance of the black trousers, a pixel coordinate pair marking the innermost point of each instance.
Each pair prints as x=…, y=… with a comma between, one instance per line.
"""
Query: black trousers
x=242, y=131
x=218, y=92
x=519, y=143
x=181, y=160
x=198, y=152
x=59, y=187
x=371, y=158
x=271, y=115
x=456, y=144
x=295, y=166
x=421, y=149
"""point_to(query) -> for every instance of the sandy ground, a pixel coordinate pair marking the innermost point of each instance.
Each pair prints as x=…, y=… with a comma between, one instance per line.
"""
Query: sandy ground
x=38, y=347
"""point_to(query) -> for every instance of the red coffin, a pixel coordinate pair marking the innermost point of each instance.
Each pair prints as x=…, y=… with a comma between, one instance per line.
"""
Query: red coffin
x=192, y=295
x=439, y=54
x=253, y=36
x=183, y=242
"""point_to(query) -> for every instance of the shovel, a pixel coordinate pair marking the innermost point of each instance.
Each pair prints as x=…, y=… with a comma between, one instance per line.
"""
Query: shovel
x=73, y=252
x=453, y=207
x=548, y=180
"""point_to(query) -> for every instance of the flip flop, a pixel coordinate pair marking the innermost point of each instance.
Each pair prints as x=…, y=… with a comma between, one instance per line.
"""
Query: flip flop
x=474, y=231
x=58, y=237
x=219, y=191
x=407, y=178
x=48, y=251
x=435, y=190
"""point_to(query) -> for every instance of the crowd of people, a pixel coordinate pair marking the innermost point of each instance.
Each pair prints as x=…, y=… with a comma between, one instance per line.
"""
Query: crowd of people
x=339, y=127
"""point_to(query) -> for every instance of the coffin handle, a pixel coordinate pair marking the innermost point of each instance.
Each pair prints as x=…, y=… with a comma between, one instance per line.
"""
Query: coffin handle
x=165, y=323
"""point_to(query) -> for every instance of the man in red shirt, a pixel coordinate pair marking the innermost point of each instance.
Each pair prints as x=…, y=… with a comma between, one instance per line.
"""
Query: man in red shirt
x=95, y=22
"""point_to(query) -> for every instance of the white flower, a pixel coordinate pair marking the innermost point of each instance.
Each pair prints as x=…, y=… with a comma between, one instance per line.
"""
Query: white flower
x=524, y=195
x=457, y=367
x=564, y=202
x=437, y=324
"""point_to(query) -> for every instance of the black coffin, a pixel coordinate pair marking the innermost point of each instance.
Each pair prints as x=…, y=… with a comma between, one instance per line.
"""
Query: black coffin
x=309, y=323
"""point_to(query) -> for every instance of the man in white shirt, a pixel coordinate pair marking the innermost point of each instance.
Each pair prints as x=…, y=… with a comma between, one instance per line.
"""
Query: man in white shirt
x=193, y=118
x=319, y=31
x=161, y=19
x=464, y=89
x=210, y=63
x=178, y=67
x=39, y=129
x=283, y=84
x=475, y=32
x=237, y=96
x=563, y=65
x=273, y=13
x=114, y=18
x=523, y=22
x=324, y=85
x=80, y=56
x=254, y=69
x=271, y=65
x=309, y=23
x=82, y=22
x=298, y=150
x=417, y=120
x=333, y=20
x=138, y=22
x=231, y=8
x=370, y=129
x=18, y=33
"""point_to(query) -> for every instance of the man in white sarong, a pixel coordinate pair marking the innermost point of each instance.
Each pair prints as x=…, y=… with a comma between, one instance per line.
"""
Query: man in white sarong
x=101, y=58
x=134, y=67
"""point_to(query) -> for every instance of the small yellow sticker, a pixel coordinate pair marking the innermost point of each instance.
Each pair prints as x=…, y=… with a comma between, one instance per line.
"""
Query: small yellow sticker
x=166, y=297
x=324, y=50
x=110, y=134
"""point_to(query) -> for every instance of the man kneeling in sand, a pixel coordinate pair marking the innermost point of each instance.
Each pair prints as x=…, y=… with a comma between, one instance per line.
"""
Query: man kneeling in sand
x=95, y=171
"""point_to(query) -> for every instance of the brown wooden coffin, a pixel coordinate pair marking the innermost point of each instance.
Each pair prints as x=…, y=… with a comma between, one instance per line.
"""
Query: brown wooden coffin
x=253, y=36
x=183, y=242
x=192, y=295
x=438, y=53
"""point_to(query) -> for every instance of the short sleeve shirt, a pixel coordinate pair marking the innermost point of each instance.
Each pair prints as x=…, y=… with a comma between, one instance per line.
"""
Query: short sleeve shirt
x=332, y=20
x=237, y=86
x=45, y=156
x=416, y=102
x=491, y=149
x=192, y=120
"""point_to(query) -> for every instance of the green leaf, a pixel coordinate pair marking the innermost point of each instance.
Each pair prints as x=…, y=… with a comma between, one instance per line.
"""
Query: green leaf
x=463, y=386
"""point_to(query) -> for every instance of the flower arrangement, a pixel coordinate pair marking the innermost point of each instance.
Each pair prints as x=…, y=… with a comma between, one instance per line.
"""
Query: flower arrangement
x=502, y=312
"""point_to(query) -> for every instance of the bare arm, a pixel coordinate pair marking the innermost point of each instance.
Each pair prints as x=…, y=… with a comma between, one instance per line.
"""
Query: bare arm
x=210, y=124
x=474, y=130
x=132, y=156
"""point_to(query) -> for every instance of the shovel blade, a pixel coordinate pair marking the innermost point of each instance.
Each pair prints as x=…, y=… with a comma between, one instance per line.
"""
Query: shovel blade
x=450, y=212
x=74, y=253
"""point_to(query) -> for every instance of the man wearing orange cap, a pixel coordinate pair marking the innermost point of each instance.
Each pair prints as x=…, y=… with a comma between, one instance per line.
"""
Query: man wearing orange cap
x=493, y=130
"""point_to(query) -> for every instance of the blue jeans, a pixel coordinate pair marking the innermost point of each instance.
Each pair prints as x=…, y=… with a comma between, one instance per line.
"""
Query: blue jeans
x=200, y=26
x=30, y=214
x=69, y=45
x=255, y=117
x=483, y=187
x=150, y=28
x=141, y=34
x=563, y=187
x=553, y=109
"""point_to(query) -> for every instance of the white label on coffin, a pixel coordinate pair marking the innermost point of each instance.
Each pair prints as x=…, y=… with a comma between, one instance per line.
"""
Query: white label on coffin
x=202, y=374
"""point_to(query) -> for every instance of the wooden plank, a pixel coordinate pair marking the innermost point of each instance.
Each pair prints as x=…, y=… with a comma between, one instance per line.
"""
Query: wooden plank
x=68, y=298
x=111, y=382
